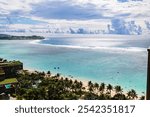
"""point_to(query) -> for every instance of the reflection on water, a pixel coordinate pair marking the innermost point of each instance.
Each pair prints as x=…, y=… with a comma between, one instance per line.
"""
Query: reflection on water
x=125, y=68
x=98, y=42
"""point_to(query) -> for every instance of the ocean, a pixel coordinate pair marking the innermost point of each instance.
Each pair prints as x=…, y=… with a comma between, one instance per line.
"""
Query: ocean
x=119, y=60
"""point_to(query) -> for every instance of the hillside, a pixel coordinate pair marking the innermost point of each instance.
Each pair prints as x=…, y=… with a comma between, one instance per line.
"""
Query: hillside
x=11, y=37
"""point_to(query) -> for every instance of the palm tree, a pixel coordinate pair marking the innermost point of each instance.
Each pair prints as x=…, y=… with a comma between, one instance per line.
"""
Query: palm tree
x=81, y=84
x=118, y=89
x=57, y=75
x=89, y=83
x=76, y=85
x=90, y=86
x=48, y=73
x=96, y=86
x=67, y=83
x=66, y=80
x=132, y=94
x=61, y=79
x=109, y=88
x=102, y=88
x=70, y=84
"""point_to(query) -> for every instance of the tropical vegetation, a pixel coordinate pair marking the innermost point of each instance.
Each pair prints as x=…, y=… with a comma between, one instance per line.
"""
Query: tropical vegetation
x=45, y=86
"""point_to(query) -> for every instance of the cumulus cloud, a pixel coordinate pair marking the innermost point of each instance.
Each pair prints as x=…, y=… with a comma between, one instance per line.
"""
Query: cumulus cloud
x=65, y=10
x=73, y=10
x=119, y=26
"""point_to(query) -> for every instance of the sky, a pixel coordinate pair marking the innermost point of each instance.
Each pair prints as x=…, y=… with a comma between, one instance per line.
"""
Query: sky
x=26, y=11
x=37, y=12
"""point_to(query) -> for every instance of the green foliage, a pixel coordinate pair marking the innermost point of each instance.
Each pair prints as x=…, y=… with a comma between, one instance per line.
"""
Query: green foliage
x=119, y=96
x=118, y=89
x=132, y=94
x=41, y=86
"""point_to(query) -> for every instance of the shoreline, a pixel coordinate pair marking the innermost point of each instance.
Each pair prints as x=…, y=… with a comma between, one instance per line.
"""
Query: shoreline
x=85, y=82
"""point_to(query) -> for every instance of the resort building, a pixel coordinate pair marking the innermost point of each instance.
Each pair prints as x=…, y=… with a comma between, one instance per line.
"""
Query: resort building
x=2, y=74
x=8, y=72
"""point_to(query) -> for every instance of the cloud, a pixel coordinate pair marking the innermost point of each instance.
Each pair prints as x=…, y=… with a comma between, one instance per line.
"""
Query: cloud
x=123, y=0
x=129, y=0
x=90, y=9
x=119, y=26
x=65, y=10
x=75, y=9
x=42, y=11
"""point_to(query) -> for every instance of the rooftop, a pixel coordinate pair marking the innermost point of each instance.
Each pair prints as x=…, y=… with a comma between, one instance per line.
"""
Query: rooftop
x=8, y=81
x=11, y=63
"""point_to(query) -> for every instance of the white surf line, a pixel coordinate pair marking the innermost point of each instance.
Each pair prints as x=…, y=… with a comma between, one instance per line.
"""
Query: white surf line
x=131, y=49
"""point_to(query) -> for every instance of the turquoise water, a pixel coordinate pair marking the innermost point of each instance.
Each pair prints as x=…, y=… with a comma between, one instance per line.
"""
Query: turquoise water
x=118, y=66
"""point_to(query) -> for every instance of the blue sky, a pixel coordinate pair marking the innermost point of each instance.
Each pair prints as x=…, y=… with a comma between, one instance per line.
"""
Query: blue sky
x=42, y=11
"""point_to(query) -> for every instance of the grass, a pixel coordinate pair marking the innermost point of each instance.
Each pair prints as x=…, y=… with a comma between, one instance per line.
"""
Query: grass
x=8, y=81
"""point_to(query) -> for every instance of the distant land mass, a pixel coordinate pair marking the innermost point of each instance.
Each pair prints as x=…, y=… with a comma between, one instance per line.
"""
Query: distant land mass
x=11, y=37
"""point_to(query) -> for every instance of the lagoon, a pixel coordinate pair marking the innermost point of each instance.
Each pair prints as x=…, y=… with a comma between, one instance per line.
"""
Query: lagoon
x=120, y=60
